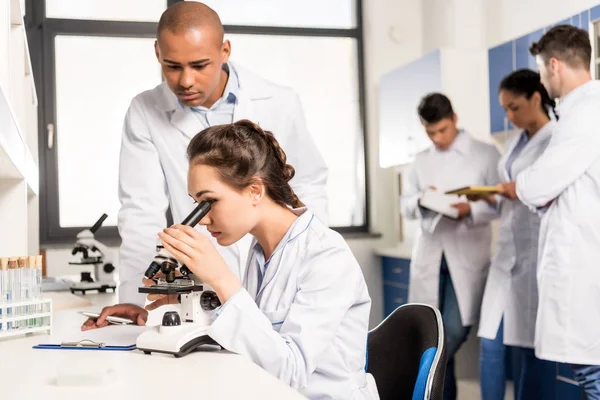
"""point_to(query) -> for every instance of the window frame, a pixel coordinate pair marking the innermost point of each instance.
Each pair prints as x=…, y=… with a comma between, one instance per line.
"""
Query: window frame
x=41, y=32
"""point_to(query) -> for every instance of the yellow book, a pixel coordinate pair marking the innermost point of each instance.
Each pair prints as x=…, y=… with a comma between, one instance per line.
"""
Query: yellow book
x=475, y=190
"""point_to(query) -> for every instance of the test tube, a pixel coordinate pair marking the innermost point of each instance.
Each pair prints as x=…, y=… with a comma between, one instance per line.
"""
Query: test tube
x=24, y=288
x=31, y=288
x=15, y=292
x=4, y=291
x=38, y=286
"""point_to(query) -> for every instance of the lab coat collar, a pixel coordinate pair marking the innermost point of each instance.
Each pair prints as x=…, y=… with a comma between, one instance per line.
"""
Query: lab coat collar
x=301, y=224
x=542, y=134
x=461, y=144
x=305, y=217
x=571, y=98
x=250, y=88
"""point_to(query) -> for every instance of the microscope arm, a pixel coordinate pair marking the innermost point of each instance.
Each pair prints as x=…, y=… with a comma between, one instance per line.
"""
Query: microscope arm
x=106, y=253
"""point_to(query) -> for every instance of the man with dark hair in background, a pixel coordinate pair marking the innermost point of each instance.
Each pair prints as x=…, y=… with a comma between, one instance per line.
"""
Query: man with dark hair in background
x=564, y=184
x=450, y=257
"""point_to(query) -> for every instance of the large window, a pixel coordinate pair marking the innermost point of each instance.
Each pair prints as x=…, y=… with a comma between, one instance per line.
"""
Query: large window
x=93, y=56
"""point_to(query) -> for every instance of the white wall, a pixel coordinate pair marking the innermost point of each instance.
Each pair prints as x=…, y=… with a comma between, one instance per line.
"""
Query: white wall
x=509, y=19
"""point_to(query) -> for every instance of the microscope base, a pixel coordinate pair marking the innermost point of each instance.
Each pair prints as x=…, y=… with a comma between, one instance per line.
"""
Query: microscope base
x=176, y=340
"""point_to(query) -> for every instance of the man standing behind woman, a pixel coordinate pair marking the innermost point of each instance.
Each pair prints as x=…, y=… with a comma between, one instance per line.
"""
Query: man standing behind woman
x=510, y=299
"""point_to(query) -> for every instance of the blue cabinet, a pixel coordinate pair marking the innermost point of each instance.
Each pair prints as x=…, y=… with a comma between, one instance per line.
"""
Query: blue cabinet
x=584, y=20
x=595, y=13
x=524, y=59
x=500, y=65
x=396, y=272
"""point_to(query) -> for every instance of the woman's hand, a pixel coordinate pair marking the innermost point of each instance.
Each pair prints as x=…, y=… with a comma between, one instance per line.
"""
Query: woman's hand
x=509, y=190
x=198, y=253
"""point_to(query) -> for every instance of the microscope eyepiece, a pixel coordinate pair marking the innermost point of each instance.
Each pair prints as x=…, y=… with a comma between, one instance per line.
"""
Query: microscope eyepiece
x=198, y=213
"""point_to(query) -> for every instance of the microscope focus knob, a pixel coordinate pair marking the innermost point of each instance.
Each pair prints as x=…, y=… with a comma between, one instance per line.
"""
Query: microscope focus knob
x=109, y=268
x=209, y=300
x=171, y=318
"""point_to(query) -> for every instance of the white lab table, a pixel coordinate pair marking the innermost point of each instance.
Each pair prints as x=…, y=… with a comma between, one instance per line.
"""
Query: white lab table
x=27, y=373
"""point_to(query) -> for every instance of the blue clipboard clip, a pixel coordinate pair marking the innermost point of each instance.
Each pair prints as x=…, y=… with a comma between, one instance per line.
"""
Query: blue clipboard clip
x=83, y=343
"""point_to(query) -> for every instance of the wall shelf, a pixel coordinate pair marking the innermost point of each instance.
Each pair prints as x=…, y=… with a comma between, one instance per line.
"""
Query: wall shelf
x=19, y=171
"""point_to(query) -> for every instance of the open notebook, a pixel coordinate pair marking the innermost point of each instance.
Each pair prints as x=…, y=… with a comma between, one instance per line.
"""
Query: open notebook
x=111, y=337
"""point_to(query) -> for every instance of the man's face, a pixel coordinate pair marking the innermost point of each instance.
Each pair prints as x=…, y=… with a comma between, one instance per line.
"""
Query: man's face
x=442, y=133
x=549, y=75
x=191, y=63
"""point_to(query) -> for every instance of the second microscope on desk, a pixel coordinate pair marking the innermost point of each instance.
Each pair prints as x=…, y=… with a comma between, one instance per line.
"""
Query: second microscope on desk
x=100, y=258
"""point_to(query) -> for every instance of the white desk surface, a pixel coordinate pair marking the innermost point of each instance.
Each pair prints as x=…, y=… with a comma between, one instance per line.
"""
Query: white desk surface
x=27, y=373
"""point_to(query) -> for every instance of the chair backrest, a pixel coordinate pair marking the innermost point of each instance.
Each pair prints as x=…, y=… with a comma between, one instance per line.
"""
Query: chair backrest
x=406, y=354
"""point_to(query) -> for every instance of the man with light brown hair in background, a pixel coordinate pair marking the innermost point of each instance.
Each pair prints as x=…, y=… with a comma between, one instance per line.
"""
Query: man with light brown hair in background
x=564, y=184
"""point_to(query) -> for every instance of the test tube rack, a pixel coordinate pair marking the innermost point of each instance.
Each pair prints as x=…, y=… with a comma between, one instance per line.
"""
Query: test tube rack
x=45, y=316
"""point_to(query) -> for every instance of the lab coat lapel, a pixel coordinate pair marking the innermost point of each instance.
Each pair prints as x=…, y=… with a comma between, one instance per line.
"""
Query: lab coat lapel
x=184, y=119
x=251, y=276
x=505, y=173
x=532, y=148
x=244, y=109
x=285, y=252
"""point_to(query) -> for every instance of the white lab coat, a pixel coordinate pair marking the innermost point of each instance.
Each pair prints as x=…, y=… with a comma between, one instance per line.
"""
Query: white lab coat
x=307, y=323
x=153, y=167
x=568, y=174
x=466, y=243
x=511, y=288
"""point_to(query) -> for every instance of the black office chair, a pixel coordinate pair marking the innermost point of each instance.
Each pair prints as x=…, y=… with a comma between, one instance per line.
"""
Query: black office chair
x=406, y=354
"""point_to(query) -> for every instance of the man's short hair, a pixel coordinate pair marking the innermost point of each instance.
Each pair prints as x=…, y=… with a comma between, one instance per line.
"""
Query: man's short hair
x=566, y=43
x=435, y=107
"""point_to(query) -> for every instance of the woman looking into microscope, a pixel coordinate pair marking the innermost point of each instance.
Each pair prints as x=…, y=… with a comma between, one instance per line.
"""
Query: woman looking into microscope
x=301, y=312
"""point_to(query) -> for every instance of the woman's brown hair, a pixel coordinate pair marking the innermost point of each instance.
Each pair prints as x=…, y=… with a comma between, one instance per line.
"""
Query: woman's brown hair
x=242, y=151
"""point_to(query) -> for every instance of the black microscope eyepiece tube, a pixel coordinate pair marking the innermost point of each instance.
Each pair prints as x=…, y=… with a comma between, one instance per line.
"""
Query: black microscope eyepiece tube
x=199, y=212
x=98, y=223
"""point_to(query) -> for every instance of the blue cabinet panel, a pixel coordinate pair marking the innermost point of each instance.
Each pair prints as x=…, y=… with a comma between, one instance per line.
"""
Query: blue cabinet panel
x=500, y=65
x=393, y=297
x=523, y=58
x=595, y=13
x=395, y=270
x=584, y=20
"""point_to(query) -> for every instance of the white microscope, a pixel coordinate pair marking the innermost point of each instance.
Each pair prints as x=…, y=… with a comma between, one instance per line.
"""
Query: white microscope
x=103, y=267
x=179, y=335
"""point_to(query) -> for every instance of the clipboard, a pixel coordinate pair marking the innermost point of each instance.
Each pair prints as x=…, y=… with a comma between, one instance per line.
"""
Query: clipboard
x=84, y=344
x=109, y=338
x=475, y=190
